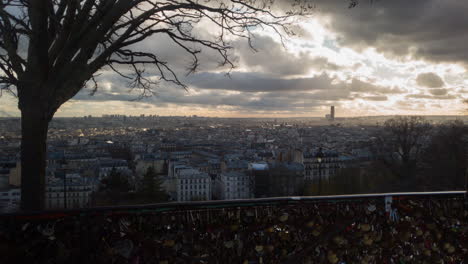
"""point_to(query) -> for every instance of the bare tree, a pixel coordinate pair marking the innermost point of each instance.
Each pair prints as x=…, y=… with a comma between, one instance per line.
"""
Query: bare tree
x=398, y=145
x=50, y=49
x=445, y=157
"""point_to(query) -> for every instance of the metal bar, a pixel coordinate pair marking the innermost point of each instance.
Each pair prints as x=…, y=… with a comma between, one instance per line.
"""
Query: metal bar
x=200, y=205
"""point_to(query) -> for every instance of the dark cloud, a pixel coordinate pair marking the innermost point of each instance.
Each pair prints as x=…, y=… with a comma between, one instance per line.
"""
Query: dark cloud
x=257, y=82
x=361, y=86
x=267, y=55
x=252, y=91
x=425, y=96
x=178, y=58
x=375, y=98
x=257, y=92
x=434, y=30
x=430, y=29
x=105, y=96
x=438, y=92
x=429, y=80
x=264, y=102
x=319, y=95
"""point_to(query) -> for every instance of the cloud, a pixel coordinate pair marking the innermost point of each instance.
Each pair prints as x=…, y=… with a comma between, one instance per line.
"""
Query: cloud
x=273, y=58
x=433, y=30
x=247, y=92
x=425, y=96
x=429, y=80
x=357, y=85
x=375, y=98
x=5, y=114
x=259, y=82
x=324, y=66
x=178, y=58
x=438, y=92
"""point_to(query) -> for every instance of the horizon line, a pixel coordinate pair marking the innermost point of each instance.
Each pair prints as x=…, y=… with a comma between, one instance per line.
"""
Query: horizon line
x=246, y=117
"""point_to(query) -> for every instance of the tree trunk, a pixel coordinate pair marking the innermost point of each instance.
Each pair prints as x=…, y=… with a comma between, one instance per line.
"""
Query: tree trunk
x=34, y=126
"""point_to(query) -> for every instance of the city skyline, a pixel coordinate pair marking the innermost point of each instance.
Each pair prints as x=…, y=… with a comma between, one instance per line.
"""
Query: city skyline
x=384, y=68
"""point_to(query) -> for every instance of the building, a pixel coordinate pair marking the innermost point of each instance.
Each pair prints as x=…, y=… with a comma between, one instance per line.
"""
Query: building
x=11, y=169
x=156, y=161
x=286, y=178
x=10, y=200
x=190, y=184
x=106, y=166
x=76, y=190
x=259, y=173
x=331, y=116
x=181, y=155
x=234, y=165
x=233, y=185
x=168, y=146
x=290, y=155
x=4, y=178
x=321, y=165
x=80, y=160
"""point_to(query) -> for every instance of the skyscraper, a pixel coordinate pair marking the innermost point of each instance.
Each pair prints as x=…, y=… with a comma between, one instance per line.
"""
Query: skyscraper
x=332, y=112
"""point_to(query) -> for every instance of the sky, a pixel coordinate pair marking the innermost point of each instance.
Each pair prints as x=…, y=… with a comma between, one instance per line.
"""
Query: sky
x=382, y=58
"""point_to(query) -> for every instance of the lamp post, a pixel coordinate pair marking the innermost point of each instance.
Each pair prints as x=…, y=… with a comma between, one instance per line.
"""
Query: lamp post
x=466, y=188
x=319, y=160
x=319, y=157
x=63, y=164
x=465, y=166
x=465, y=169
x=65, y=190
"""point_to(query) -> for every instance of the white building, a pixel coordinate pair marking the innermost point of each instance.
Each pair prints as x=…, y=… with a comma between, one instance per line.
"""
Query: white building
x=191, y=184
x=234, y=185
x=76, y=189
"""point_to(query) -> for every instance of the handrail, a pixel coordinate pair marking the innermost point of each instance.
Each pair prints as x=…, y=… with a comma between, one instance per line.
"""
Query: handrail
x=217, y=204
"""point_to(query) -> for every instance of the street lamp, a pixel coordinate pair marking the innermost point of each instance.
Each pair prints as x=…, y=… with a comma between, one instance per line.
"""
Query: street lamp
x=319, y=160
x=63, y=164
x=65, y=190
x=465, y=169
x=319, y=157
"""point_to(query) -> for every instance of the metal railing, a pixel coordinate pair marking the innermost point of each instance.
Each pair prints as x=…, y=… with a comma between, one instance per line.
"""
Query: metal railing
x=423, y=227
x=217, y=204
